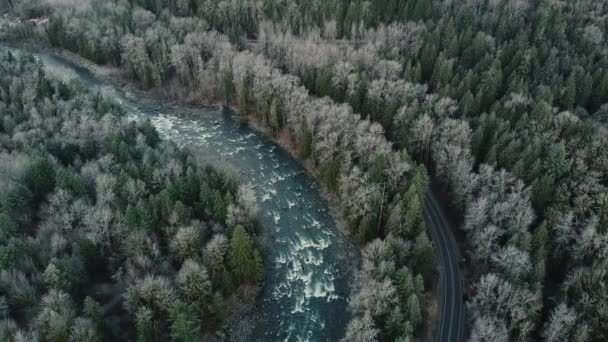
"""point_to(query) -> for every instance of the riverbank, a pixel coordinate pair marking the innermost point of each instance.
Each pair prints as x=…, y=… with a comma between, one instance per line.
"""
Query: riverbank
x=346, y=260
x=115, y=76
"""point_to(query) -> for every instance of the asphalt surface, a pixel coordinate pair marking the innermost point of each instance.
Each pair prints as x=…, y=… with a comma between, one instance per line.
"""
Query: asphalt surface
x=451, y=321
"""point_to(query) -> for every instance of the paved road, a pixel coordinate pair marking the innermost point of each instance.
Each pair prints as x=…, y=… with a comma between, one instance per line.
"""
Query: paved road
x=451, y=322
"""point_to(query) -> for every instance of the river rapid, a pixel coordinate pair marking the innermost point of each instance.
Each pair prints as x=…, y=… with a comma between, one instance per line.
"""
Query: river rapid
x=308, y=261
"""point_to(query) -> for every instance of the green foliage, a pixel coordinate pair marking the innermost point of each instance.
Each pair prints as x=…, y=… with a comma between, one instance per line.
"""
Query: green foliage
x=17, y=203
x=414, y=315
x=306, y=146
x=244, y=259
x=96, y=210
x=513, y=69
x=413, y=212
x=363, y=230
x=396, y=223
x=395, y=323
x=74, y=183
x=377, y=171
x=195, y=286
x=185, y=326
x=424, y=255
x=244, y=98
x=539, y=251
x=228, y=86
x=331, y=174
x=8, y=227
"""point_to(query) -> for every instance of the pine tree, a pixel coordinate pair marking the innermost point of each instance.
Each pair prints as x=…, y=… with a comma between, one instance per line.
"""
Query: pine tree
x=17, y=204
x=376, y=173
x=228, y=86
x=405, y=284
x=244, y=97
x=421, y=181
x=395, y=323
x=185, y=326
x=414, y=314
x=131, y=218
x=306, y=146
x=40, y=178
x=429, y=54
x=8, y=227
x=362, y=232
x=424, y=256
x=396, y=220
x=539, y=251
x=243, y=257
x=145, y=215
x=568, y=97
x=413, y=211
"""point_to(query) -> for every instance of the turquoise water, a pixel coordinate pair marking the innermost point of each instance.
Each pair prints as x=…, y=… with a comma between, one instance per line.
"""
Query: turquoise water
x=308, y=261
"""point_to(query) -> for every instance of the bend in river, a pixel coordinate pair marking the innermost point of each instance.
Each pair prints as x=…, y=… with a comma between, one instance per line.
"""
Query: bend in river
x=304, y=297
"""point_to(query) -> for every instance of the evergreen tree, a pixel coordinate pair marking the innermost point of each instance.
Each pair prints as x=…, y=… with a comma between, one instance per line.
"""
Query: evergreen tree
x=424, y=256
x=539, y=252
x=244, y=259
x=40, y=177
x=376, y=173
x=413, y=213
x=17, y=204
x=306, y=146
x=396, y=220
x=185, y=326
x=395, y=323
x=568, y=97
x=414, y=314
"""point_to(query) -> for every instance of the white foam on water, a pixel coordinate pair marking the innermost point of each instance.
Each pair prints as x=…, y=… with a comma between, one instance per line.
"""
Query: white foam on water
x=319, y=289
x=311, y=259
x=276, y=216
x=204, y=137
x=299, y=305
x=299, y=275
x=290, y=204
x=280, y=291
x=304, y=243
x=332, y=297
x=281, y=259
x=270, y=191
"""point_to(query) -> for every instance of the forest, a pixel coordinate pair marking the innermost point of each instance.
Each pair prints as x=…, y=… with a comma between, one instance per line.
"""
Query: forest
x=97, y=211
x=503, y=102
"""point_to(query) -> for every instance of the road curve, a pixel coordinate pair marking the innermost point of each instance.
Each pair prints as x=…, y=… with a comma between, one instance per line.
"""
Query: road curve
x=451, y=321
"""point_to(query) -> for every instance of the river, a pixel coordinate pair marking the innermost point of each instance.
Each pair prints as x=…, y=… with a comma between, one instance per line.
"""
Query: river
x=308, y=261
